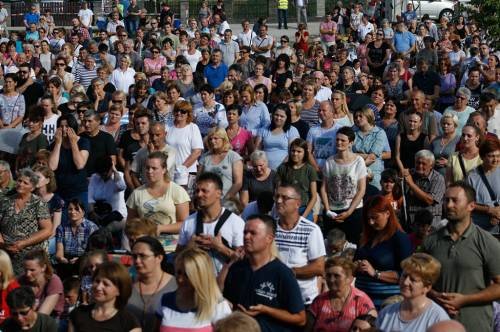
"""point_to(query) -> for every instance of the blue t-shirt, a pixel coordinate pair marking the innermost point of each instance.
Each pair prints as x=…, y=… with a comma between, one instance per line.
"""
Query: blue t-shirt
x=215, y=75
x=273, y=285
x=403, y=41
x=32, y=18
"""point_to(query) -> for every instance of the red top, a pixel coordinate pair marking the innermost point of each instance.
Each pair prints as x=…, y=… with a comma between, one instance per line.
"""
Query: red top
x=303, y=45
x=4, y=308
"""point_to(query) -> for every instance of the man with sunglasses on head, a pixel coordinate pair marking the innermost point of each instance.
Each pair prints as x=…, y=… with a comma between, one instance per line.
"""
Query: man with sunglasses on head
x=23, y=316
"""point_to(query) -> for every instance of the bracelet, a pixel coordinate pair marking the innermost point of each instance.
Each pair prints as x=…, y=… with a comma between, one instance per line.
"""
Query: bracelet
x=377, y=274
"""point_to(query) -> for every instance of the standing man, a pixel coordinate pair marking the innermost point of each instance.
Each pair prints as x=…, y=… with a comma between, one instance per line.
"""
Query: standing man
x=263, y=43
x=31, y=17
x=301, y=10
x=3, y=16
x=132, y=18
x=212, y=227
x=230, y=49
x=216, y=72
x=261, y=285
x=470, y=269
x=299, y=241
x=102, y=144
x=327, y=31
x=86, y=73
x=86, y=16
x=247, y=35
x=282, y=13
x=404, y=41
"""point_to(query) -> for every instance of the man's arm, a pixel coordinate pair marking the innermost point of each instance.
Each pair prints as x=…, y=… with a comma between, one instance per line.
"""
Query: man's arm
x=419, y=193
x=315, y=267
x=298, y=319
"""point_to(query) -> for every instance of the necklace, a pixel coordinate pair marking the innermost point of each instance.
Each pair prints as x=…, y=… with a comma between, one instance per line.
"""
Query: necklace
x=147, y=302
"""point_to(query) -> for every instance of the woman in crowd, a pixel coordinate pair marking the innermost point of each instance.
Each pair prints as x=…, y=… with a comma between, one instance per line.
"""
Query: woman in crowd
x=123, y=76
x=230, y=97
x=8, y=282
x=340, y=109
x=47, y=286
x=14, y=107
x=113, y=123
x=410, y=141
x=364, y=323
x=32, y=141
x=262, y=94
x=416, y=312
x=163, y=109
x=153, y=65
x=197, y=303
x=255, y=114
x=186, y=82
x=51, y=114
x=141, y=93
x=485, y=179
x=389, y=123
x=151, y=281
x=259, y=179
x=111, y=289
x=462, y=162
x=210, y=114
x=448, y=84
x=395, y=86
x=444, y=145
x=343, y=186
x=337, y=309
x=55, y=89
x=378, y=53
x=223, y=161
x=276, y=139
x=310, y=105
x=282, y=75
x=99, y=97
x=46, y=57
x=349, y=85
x=72, y=239
x=160, y=199
x=68, y=159
x=299, y=171
x=382, y=247
x=259, y=78
x=370, y=143
x=460, y=107
x=26, y=219
x=240, y=138
x=185, y=137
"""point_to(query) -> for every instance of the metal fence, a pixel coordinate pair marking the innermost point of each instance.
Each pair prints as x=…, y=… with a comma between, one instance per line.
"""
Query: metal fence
x=62, y=11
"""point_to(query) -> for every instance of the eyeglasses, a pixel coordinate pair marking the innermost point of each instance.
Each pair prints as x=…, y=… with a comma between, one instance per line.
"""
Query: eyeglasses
x=461, y=97
x=180, y=111
x=37, y=46
x=141, y=256
x=284, y=41
x=61, y=64
x=20, y=313
x=81, y=111
x=155, y=52
x=283, y=197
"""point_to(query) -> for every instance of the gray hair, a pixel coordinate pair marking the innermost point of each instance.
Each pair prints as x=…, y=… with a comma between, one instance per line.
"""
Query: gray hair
x=258, y=155
x=463, y=91
x=449, y=115
x=32, y=176
x=97, y=80
x=28, y=47
x=6, y=167
x=425, y=154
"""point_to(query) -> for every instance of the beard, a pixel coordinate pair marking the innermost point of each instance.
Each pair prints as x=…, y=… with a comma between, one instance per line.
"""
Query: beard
x=21, y=81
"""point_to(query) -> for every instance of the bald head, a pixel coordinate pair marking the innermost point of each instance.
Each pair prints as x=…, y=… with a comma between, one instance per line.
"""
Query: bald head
x=447, y=326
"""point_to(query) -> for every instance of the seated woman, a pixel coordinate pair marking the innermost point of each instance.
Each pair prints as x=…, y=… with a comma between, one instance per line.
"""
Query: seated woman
x=382, y=247
x=111, y=289
x=197, y=302
x=416, y=312
x=337, y=309
x=222, y=160
x=72, y=238
x=276, y=139
x=299, y=171
x=259, y=179
x=47, y=286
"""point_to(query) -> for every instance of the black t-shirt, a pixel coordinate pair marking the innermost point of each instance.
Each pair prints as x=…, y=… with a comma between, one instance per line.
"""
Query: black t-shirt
x=82, y=321
x=273, y=285
x=43, y=323
x=256, y=187
x=475, y=93
x=426, y=81
x=302, y=127
x=280, y=78
x=129, y=145
x=102, y=145
x=375, y=54
x=32, y=94
x=70, y=180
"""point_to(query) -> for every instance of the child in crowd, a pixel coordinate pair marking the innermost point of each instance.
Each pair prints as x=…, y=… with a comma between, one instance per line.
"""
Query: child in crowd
x=391, y=190
x=422, y=228
x=337, y=245
x=71, y=288
x=87, y=267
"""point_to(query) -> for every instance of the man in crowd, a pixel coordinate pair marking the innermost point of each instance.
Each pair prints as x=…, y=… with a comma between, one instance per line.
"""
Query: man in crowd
x=260, y=284
x=263, y=43
x=470, y=269
x=299, y=241
x=216, y=71
x=230, y=49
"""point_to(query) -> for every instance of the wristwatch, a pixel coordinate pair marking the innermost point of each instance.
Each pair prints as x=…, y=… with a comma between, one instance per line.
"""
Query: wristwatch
x=377, y=274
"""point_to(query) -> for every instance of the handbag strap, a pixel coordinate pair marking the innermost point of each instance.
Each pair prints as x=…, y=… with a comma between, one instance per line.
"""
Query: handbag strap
x=462, y=166
x=493, y=196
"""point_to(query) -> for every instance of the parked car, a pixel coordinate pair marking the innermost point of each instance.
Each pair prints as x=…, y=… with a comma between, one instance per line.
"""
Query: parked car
x=437, y=8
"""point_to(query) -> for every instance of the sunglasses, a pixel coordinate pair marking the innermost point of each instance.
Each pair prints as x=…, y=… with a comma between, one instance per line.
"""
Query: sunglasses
x=284, y=41
x=37, y=46
x=81, y=111
x=155, y=52
x=180, y=111
x=117, y=101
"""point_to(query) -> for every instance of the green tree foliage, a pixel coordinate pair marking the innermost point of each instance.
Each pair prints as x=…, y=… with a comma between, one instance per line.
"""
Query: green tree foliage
x=486, y=13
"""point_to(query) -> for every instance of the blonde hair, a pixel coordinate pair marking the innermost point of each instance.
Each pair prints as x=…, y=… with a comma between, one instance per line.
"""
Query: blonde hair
x=343, y=107
x=235, y=322
x=200, y=272
x=423, y=266
x=220, y=133
x=6, y=271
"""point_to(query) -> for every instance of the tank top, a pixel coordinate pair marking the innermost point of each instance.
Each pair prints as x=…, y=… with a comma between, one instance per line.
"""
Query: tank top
x=408, y=149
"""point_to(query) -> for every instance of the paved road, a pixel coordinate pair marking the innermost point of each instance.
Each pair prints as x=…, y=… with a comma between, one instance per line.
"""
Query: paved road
x=313, y=28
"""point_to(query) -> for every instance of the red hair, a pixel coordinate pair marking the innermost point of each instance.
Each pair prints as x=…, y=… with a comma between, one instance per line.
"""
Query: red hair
x=379, y=204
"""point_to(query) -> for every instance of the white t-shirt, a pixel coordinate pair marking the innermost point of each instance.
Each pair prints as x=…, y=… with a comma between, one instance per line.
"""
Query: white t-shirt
x=184, y=140
x=49, y=127
x=193, y=59
x=232, y=231
x=112, y=191
x=245, y=38
x=324, y=93
x=297, y=247
x=85, y=16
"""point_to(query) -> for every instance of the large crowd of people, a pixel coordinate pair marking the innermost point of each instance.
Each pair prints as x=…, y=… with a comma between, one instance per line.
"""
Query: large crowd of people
x=161, y=175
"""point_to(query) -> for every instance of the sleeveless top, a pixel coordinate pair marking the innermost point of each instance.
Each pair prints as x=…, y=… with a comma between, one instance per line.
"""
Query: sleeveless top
x=409, y=148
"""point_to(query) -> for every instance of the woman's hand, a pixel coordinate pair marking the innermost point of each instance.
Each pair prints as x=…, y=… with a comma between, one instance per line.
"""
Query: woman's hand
x=365, y=267
x=15, y=247
x=58, y=136
x=72, y=136
x=341, y=217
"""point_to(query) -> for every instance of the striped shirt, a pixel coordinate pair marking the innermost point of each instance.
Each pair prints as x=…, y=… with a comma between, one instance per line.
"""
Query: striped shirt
x=85, y=76
x=75, y=243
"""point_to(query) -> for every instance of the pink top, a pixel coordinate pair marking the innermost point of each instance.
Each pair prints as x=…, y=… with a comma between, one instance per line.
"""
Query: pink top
x=241, y=140
x=151, y=64
x=328, y=26
x=265, y=80
x=330, y=320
